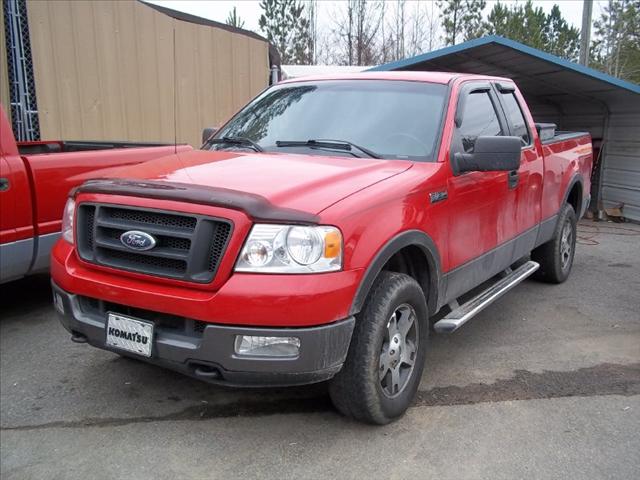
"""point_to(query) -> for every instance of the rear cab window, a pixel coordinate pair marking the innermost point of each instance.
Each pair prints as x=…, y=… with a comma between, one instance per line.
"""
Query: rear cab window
x=515, y=117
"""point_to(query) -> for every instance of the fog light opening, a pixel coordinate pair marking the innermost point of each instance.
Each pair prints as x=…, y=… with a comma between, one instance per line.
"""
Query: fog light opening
x=256, y=346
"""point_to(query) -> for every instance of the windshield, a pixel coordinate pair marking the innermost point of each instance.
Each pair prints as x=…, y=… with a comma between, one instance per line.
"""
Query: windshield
x=393, y=119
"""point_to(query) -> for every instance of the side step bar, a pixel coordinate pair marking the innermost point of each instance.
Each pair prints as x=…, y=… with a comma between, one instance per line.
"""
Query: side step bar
x=460, y=315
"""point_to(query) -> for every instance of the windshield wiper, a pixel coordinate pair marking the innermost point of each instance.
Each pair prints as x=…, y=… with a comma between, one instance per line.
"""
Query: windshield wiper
x=242, y=141
x=333, y=144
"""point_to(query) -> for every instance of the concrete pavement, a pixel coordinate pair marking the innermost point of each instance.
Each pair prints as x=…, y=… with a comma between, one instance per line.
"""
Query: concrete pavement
x=545, y=383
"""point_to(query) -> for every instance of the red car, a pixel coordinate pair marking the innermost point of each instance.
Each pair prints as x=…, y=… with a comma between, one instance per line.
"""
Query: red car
x=318, y=231
x=35, y=178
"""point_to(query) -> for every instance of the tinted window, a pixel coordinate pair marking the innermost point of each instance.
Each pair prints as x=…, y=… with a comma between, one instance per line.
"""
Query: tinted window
x=515, y=117
x=479, y=120
x=395, y=119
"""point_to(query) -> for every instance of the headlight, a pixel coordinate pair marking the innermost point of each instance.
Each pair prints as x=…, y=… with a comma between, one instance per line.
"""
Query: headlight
x=291, y=249
x=67, y=220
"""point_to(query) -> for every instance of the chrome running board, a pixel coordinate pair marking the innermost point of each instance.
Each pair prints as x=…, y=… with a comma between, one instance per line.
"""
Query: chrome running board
x=463, y=313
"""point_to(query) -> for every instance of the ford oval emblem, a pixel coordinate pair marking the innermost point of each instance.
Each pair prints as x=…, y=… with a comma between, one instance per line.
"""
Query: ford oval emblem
x=137, y=240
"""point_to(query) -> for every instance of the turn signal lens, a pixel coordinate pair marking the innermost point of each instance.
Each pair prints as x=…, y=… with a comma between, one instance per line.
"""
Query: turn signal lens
x=332, y=244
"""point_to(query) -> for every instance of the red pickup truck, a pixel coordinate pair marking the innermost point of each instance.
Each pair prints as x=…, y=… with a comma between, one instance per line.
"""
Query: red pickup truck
x=317, y=232
x=35, y=179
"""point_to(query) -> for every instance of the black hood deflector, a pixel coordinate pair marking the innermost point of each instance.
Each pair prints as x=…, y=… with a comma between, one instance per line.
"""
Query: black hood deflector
x=255, y=206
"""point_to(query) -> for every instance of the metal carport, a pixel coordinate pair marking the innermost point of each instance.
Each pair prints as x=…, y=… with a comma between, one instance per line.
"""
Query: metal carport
x=570, y=95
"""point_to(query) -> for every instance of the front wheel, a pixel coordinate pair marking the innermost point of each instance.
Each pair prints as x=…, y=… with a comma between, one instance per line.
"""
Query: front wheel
x=384, y=364
x=556, y=256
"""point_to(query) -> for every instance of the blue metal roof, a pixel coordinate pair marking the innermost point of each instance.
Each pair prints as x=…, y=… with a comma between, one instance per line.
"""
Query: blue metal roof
x=495, y=39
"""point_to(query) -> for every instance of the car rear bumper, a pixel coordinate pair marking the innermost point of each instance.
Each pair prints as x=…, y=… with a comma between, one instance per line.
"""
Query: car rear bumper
x=209, y=354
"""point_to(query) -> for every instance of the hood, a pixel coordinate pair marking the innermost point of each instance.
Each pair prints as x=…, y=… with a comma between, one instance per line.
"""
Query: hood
x=309, y=183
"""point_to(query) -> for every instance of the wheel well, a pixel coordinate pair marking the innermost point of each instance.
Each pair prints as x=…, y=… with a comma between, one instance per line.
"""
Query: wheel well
x=575, y=197
x=411, y=261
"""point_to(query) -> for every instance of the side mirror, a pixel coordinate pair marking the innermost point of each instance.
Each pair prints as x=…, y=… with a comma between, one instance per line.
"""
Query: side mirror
x=207, y=133
x=490, y=154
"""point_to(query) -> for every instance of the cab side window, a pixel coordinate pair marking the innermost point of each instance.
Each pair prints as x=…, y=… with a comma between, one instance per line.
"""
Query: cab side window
x=515, y=117
x=478, y=120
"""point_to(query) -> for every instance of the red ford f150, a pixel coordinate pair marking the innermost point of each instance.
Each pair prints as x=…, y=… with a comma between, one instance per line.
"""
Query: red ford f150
x=35, y=179
x=317, y=232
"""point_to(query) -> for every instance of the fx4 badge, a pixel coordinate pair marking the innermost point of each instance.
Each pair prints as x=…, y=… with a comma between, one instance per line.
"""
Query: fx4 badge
x=438, y=196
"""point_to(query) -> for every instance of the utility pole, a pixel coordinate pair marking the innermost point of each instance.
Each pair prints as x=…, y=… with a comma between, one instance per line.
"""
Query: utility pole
x=585, y=33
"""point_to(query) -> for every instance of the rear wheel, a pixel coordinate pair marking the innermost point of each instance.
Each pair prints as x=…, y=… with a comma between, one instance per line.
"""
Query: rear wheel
x=556, y=256
x=386, y=357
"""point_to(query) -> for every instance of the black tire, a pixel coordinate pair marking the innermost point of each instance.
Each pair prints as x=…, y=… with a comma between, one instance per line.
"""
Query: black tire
x=358, y=391
x=556, y=256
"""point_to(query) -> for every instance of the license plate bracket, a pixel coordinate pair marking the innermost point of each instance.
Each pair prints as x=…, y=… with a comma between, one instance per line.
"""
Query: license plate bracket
x=129, y=334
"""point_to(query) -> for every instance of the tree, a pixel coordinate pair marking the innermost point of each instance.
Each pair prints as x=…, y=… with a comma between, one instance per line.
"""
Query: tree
x=524, y=24
x=616, y=46
x=562, y=40
x=461, y=19
x=423, y=29
x=234, y=20
x=408, y=29
x=312, y=15
x=400, y=25
x=286, y=26
x=356, y=32
x=532, y=26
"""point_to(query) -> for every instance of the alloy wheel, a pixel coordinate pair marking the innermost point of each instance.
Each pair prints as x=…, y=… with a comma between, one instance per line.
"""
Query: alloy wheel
x=399, y=350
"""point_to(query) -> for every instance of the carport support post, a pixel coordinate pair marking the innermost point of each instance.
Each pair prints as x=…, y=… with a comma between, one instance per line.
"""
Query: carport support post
x=275, y=75
x=585, y=32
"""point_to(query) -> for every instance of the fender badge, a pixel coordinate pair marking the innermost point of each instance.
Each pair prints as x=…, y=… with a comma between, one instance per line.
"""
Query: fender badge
x=436, y=197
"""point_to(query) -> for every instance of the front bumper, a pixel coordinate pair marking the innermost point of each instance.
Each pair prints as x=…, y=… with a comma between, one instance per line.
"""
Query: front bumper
x=269, y=300
x=209, y=354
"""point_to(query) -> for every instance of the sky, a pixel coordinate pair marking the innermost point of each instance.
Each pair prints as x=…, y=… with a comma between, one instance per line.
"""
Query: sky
x=249, y=10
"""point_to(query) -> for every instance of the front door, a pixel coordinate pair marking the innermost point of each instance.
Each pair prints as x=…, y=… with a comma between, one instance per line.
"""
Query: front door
x=480, y=199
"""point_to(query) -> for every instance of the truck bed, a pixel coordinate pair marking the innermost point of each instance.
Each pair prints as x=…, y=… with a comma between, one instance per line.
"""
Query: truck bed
x=548, y=133
x=560, y=153
x=561, y=136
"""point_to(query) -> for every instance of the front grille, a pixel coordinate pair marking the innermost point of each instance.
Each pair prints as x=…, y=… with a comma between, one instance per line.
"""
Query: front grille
x=151, y=218
x=142, y=262
x=188, y=247
x=217, y=246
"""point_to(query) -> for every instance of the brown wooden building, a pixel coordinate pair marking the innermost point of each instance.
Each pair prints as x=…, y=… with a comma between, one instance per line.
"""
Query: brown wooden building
x=124, y=70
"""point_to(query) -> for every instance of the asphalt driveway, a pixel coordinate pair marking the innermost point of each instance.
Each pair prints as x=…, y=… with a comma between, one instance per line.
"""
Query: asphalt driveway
x=545, y=383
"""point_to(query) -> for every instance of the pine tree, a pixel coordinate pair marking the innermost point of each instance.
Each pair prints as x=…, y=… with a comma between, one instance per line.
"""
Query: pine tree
x=616, y=47
x=461, y=19
x=473, y=22
x=234, y=20
x=532, y=26
x=287, y=27
x=562, y=40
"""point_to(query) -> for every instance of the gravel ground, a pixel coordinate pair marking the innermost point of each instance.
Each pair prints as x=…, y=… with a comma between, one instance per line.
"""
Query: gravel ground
x=545, y=383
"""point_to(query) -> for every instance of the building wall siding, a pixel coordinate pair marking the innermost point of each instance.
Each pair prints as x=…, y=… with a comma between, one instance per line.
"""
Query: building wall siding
x=621, y=174
x=105, y=71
